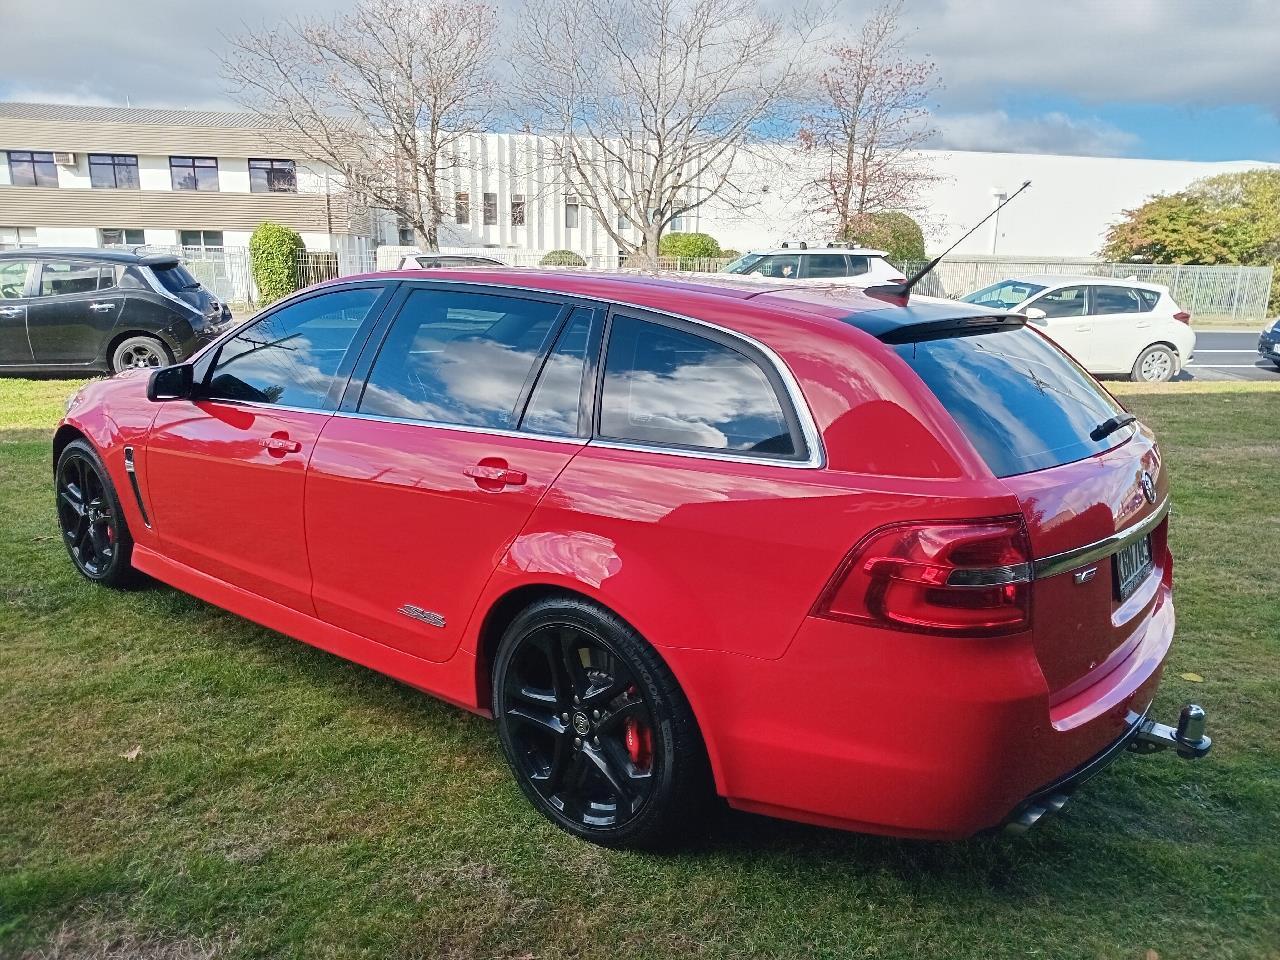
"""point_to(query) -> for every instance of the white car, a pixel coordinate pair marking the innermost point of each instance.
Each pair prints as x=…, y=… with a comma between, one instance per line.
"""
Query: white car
x=435, y=261
x=854, y=266
x=1109, y=326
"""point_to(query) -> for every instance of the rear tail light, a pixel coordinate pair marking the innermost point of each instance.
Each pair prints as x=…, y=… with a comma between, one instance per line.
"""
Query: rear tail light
x=1183, y=317
x=962, y=579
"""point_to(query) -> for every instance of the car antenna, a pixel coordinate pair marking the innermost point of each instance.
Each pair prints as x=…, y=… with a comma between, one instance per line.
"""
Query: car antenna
x=899, y=293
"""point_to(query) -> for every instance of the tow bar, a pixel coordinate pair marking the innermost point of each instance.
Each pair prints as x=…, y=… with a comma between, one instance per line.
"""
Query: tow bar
x=1188, y=738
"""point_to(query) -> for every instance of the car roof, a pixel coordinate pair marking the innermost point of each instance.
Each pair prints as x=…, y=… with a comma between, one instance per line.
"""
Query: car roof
x=676, y=294
x=88, y=253
x=860, y=251
x=1060, y=279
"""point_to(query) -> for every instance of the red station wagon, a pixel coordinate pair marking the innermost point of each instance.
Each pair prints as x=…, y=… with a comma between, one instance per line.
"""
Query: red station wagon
x=897, y=569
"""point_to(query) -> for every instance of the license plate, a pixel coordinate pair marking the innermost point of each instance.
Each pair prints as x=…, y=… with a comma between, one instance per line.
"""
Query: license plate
x=1131, y=565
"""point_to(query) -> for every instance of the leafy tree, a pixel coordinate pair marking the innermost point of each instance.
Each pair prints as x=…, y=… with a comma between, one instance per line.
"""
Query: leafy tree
x=273, y=255
x=891, y=231
x=562, y=258
x=695, y=246
x=1233, y=218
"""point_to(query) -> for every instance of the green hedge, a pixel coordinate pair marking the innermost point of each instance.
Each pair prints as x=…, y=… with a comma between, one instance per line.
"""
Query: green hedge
x=891, y=231
x=695, y=246
x=273, y=253
x=562, y=258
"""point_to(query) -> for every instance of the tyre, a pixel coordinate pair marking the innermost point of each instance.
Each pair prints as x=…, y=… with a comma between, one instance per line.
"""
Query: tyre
x=597, y=732
x=140, y=351
x=1156, y=364
x=90, y=519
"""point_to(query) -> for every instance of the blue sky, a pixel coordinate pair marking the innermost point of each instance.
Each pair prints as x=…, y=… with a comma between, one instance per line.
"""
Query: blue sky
x=1168, y=79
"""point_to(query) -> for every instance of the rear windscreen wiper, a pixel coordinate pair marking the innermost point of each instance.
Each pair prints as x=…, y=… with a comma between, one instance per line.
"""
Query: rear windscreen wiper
x=1111, y=425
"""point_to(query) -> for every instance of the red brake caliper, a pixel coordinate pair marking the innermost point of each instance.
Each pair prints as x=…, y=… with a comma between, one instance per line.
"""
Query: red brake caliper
x=639, y=743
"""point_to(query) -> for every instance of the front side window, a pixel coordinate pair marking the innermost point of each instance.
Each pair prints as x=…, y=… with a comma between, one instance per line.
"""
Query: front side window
x=826, y=265
x=113, y=171
x=13, y=279
x=194, y=173
x=1004, y=295
x=28, y=168
x=783, y=266
x=557, y=398
x=120, y=237
x=1116, y=300
x=671, y=387
x=60, y=278
x=291, y=357
x=458, y=358
x=273, y=176
x=1067, y=302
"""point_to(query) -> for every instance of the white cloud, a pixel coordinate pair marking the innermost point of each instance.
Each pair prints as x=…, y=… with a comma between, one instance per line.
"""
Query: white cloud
x=1052, y=132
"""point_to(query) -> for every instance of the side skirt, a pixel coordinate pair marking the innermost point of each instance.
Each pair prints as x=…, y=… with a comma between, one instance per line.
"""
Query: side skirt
x=452, y=681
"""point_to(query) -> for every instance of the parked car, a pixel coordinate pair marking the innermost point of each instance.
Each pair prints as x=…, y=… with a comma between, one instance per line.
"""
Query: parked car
x=855, y=266
x=1269, y=342
x=1110, y=326
x=81, y=311
x=894, y=569
x=434, y=261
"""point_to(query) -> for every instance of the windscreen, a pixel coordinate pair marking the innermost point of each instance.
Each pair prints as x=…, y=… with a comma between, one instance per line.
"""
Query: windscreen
x=1023, y=403
x=1004, y=295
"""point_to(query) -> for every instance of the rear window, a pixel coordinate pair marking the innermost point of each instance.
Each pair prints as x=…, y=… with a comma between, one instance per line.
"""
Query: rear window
x=176, y=278
x=1023, y=403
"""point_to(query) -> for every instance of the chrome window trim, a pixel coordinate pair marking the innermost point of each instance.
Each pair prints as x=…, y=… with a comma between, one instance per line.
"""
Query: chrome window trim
x=1101, y=549
x=460, y=427
x=816, y=459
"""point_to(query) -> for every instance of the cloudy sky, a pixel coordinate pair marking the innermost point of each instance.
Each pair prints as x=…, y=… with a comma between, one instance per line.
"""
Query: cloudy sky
x=1176, y=79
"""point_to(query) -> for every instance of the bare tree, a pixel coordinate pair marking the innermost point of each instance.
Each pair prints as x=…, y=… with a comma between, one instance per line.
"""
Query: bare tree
x=647, y=103
x=869, y=123
x=384, y=95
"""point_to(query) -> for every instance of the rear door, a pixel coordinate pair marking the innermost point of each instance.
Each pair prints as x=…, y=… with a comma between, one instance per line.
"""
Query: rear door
x=427, y=474
x=1121, y=328
x=15, y=347
x=75, y=308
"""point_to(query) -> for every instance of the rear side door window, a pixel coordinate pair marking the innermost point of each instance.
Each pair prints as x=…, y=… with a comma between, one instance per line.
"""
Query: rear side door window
x=826, y=265
x=556, y=405
x=858, y=265
x=670, y=387
x=1108, y=300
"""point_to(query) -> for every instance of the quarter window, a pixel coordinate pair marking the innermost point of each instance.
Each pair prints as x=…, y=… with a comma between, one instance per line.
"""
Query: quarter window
x=194, y=173
x=671, y=387
x=1067, y=302
x=29, y=168
x=458, y=358
x=556, y=400
x=1149, y=299
x=59, y=278
x=113, y=171
x=1116, y=300
x=826, y=265
x=858, y=265
x=273, y=176
x=291, y=357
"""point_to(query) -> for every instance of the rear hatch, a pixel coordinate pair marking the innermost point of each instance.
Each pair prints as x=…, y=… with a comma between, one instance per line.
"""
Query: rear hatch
x=1093, y=496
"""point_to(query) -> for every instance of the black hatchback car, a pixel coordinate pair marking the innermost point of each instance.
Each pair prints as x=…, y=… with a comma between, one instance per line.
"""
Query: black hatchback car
x=73, y=310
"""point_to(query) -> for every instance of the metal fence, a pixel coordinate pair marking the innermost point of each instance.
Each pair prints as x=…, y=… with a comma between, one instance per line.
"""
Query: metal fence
x=1221, y=293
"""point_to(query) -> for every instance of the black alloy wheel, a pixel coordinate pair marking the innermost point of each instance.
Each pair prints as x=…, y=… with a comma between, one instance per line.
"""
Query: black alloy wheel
x=89, y=516
x=594, y=727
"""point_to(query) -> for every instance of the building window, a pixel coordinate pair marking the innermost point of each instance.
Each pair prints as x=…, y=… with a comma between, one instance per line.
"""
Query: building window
x=113, y=171
x=17, y=238
x=117, y=237
x=490, y=209
x=405, y=234
x=200, y=238
x=624, y=215
x=273, y=176
x=462, y=208
x=570, y=212
x=30, y=169
x=194, y=173
x=517, y=210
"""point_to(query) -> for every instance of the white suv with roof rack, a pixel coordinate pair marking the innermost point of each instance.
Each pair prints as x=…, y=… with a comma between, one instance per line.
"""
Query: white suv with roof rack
x=851, y=266
x=1110, y=326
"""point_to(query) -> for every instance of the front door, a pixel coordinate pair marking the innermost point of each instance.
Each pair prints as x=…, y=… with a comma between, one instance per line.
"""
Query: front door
x=1067, y=321
x=418, y=487
x=226, y=473
x=15, y=348
x=75, y=308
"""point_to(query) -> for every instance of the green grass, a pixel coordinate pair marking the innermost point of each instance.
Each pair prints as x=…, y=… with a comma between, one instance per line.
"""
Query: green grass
x=285, y=803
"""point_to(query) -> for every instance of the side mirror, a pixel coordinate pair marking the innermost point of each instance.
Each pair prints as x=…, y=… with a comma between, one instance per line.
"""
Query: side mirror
x=1036, y=315
x=171, y=383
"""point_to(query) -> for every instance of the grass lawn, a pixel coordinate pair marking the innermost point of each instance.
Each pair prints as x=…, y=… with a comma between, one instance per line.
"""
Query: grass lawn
x=280, y=802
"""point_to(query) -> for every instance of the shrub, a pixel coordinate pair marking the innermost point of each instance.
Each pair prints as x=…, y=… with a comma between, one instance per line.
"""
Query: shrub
x=891, y=231
x=728, y=253
x=273, y=254
x=695, y=246
x=562, y=258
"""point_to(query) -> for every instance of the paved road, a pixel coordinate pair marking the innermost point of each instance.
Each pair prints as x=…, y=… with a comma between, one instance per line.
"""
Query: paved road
x=1229, y=355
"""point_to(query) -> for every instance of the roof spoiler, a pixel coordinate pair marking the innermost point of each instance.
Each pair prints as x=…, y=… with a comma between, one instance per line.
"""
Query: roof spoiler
x=899, y=294
x=952, y=327
x=161, y=261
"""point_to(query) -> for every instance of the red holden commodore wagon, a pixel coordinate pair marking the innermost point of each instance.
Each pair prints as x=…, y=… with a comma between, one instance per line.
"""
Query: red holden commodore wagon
x=898, y=569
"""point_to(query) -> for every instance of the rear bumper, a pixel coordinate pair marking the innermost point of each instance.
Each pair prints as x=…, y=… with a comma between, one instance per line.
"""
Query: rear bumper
x=907, y=735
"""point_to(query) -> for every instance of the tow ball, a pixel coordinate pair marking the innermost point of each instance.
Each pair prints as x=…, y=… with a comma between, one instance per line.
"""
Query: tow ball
x=1188, y=738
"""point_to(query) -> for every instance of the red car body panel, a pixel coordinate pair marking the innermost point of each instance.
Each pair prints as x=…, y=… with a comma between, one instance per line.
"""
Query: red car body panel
x=717, y=562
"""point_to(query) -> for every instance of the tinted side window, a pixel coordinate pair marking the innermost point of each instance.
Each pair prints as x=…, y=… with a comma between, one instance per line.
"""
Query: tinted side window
x=62, y=277
x=553, y=408
x=859, y=265
x=1067, y=302
x=1149, y=299
x=460, y=358
x=785, y=266
x=291, y=357
x=668, y=386
x=826, y=265
x=1116, y=300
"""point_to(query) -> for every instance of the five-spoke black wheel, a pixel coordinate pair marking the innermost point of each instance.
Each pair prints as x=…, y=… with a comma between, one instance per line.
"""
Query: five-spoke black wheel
x=89, y=516
x=594, y=726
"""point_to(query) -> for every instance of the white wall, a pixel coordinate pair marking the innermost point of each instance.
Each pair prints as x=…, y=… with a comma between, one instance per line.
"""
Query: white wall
x=153, y=173
x=67, y=236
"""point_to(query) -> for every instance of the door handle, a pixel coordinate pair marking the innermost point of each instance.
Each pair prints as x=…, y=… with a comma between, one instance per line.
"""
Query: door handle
x=100, y=307
x=495, y=474
x=1082, y=328
x=280, y=445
